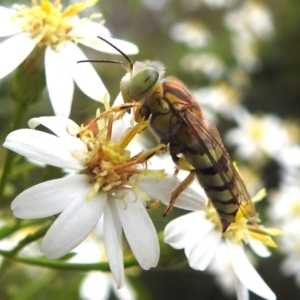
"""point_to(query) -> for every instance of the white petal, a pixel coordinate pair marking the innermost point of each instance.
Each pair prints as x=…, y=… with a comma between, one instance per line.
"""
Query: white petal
x=176, y=233
x=241, y=291
x=290, y=265
x=113, y=242
x=50, y=197
x=125, y=293
x=188, y=199
x=259, y=248
x=91, y=30
x=57, y=125
x=126, y=47
x=95, y=286
x=73, y=225
x=201, y=252
x=45, y=148
x=119, y=100
x=84, y=74
x=197, y=235
x=8, y=27
x=59, y=82
x=119, y=129
x=20, y=46
x=246, y=273
x=140, y=232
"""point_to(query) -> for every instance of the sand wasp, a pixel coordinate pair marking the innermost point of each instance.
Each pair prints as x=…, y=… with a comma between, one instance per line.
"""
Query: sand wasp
x=194, y=142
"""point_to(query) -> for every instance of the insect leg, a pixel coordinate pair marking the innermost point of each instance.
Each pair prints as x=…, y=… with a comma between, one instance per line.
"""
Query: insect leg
x=153, y=205
x=178, y=190
x=144, y=156
x=119, y=110
x=182, y=164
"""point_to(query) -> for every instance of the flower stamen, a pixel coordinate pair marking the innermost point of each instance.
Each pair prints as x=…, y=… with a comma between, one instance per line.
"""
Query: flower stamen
x=108, y=163
x=47, y=24
x=240, y=231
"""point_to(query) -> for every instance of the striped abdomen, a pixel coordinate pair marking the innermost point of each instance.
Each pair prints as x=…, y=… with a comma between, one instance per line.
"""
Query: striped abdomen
x=219, y=182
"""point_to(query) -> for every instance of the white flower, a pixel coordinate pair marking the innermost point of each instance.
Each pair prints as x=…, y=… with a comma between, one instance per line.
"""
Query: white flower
x=46, y=27
x=194, y=34
x=289, y=158
x=208, y=64
x=109, y=182
x=199, y=233
x=248, y=22
x=285, y=211
x=290, y=245
x=221, y=98
x=98, y=286
x=285, y=203
x=257, y=136
x=252, y=17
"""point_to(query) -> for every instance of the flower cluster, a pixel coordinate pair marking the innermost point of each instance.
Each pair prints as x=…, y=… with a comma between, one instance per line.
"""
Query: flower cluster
x=199, y=233
x=56, y=32
x=96, y=215
x=109, y=182
x=285, y=211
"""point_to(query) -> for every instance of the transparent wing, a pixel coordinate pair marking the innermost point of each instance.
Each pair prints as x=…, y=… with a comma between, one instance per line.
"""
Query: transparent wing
x=208, y=138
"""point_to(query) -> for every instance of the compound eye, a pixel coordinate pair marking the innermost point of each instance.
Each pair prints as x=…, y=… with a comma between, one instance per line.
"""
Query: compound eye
x=142, y=83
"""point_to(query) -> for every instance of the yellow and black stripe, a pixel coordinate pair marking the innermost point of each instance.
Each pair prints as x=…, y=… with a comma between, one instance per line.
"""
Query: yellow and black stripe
x=200, y=143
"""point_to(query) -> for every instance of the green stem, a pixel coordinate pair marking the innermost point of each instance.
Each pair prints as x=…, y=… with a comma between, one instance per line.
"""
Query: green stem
x=62, y=265
x=17, y=121
x=29, y=239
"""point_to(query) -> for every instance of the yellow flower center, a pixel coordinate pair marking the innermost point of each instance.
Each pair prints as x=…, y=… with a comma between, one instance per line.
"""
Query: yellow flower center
x=295, y=207
x=212, y=215
x=47, y=24
x=240, y=231
x=228, y=94
x=109, y=164
x=256, y=128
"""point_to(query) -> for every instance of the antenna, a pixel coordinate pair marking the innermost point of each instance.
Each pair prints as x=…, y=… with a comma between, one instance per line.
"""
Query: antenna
x=130, y=62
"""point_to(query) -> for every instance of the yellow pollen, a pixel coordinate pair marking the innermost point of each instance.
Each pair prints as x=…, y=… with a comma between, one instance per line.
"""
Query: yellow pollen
x=295, y=207
x=261, y=194
x=230, y=95
x=257, y=129
x=211, y=214
x=240, y=231
x=109, y=165
x=47, y=24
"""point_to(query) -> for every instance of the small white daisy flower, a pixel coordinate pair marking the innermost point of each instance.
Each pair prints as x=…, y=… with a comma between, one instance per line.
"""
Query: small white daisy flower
x=285, y=212
x=220, y=98
x=257, y=137
x=290, y=245
x=109, y=182
x=249, y=22
x=285, y=203
x=199, y=233
x=98, y=286
x=193, y=34
x=47, y=28
x=289, y=158
x=208, y=64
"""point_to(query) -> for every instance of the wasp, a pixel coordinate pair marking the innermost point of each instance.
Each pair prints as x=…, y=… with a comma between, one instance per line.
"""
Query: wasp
x=194, y=142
